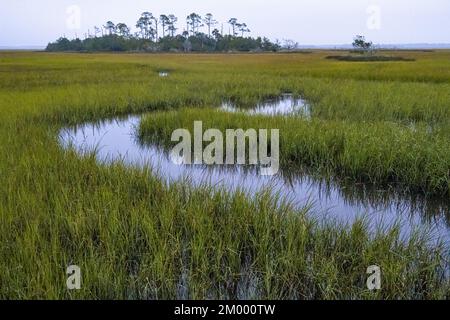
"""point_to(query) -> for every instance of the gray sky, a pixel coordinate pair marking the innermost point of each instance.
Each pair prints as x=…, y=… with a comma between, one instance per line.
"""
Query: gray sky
x=36, y=22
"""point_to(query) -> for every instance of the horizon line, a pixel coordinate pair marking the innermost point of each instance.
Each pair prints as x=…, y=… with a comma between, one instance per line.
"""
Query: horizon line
x=427, y=45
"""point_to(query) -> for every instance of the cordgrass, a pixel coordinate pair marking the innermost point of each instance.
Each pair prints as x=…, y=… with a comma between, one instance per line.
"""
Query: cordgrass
x=135, y=237
x=378, y=153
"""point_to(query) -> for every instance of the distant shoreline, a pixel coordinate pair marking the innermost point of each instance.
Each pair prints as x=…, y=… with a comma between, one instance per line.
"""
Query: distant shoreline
x=298, y=51
x=388, y=47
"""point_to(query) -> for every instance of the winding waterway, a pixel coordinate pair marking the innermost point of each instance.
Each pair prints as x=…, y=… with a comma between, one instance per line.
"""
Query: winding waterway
x=116, y=139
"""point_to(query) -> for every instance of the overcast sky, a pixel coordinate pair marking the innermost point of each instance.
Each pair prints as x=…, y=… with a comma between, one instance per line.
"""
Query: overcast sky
x=36, y=22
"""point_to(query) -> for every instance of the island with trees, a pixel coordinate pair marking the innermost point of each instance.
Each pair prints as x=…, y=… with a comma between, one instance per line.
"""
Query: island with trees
x=154, y=33
x=365, y=51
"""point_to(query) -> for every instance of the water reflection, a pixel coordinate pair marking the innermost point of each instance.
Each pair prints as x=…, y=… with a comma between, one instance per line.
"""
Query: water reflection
x=286, y=104
x=335, y=199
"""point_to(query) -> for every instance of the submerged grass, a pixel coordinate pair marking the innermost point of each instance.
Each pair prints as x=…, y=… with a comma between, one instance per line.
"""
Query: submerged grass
x=135, y=237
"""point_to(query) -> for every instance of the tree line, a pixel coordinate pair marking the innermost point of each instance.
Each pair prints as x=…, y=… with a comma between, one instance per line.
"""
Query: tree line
x=159, y=33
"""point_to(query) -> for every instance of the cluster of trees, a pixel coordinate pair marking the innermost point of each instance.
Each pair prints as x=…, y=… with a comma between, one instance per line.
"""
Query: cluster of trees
x=362, y=46
x=160, y=34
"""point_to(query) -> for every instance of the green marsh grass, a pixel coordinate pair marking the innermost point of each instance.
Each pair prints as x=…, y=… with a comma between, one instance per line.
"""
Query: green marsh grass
x=377, y=153
x=135, y=237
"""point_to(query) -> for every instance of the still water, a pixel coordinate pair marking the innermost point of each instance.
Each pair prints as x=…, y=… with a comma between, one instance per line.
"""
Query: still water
x=116, y=139
x=284, y=105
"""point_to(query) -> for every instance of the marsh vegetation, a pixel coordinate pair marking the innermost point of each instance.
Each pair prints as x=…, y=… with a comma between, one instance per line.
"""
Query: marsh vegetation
x=136, y=235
